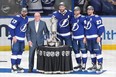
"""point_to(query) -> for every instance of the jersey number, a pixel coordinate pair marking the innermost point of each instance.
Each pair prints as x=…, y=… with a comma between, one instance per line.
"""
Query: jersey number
x=14, y=21
x=99, y=22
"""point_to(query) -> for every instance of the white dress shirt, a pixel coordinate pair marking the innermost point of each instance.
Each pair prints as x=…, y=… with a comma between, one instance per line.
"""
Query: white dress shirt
x=36, y=26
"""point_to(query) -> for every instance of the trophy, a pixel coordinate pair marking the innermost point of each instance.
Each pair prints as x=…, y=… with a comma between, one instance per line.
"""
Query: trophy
x=53, y=41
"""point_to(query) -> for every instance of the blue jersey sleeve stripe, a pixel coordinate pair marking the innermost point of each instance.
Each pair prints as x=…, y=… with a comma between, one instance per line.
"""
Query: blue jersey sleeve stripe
x=100, y=26
x=11, y=26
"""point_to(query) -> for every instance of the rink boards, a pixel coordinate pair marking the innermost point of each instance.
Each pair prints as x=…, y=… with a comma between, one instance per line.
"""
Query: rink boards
x=109, y=35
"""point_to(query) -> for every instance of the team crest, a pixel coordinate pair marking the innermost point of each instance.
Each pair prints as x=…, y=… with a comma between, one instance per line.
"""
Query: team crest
x=5, y=8
x=64, y=22
x=75, y=26
x=89, y=24
x=23, y=28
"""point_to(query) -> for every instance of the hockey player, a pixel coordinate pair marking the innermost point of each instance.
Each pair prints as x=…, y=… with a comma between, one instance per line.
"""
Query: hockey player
x=79, y=40
x=63, y=17
x=94, y=30
x=48, y=6
x=17, y=30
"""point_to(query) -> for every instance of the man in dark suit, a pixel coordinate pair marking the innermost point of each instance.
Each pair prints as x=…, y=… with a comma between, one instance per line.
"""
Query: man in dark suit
x=35, y=37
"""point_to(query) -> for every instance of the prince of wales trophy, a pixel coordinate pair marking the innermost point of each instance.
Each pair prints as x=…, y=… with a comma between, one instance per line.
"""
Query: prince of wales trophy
x=53, y=41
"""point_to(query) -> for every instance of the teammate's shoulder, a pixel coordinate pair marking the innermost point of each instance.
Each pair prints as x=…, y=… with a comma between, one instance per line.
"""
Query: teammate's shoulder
x=86, y=16
x=97, y=16
x=55, y=12
x=82, y=16
x=70, y=10
x=16, y=17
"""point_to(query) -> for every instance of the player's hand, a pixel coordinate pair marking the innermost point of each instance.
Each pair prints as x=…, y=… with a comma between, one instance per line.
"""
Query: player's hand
x=30, y=43
x=98, y=39
x=84, y=40
x=14, y=40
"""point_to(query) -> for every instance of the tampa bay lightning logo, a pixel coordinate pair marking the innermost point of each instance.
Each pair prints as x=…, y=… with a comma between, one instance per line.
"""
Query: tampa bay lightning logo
x=75, y=26
x=89, y=24
x=47, y=1
x=23, y=28
x=34, y=1
x=5, y=8
x=64, y=22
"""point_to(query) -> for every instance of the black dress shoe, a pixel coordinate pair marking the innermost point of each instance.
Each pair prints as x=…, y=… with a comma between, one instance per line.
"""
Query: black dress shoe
x=29, y=71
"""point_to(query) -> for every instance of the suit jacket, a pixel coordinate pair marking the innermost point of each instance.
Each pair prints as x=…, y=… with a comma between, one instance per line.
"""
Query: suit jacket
x=37, y=38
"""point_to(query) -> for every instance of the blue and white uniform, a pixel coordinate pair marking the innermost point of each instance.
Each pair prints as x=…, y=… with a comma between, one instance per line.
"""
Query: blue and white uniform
x=78, y=34
x=17, y=28
x=78, y=31
x=63, y=26
x=94, y=28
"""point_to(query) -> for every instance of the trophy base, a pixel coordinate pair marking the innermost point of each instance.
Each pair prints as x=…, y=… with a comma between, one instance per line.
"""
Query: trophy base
x=53, y=44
